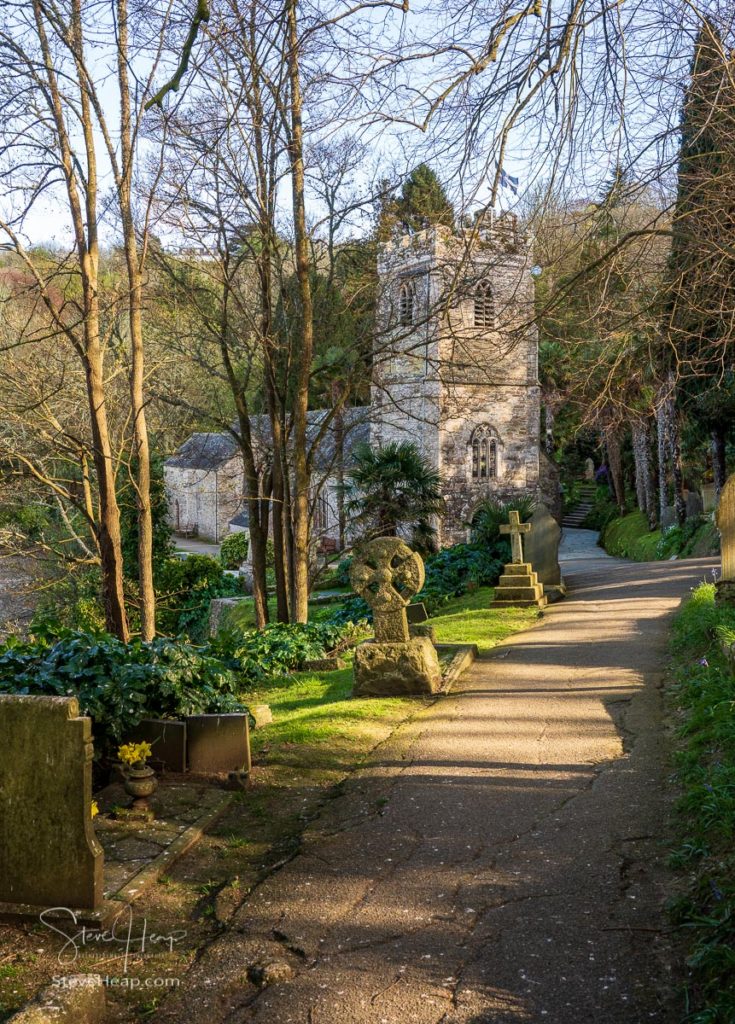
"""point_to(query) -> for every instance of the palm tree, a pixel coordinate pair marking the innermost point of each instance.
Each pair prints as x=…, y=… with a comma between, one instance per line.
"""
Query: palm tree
x=392, y=487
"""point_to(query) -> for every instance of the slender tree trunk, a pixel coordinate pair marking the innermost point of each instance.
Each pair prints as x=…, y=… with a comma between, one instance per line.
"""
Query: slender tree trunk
x=142, y=459
x=640, y=443
x=719, y=461
x=616, y=469
x=549, y=428
x=301, y=466
x=339, y=471
x=674, y=445
x=84, y=222
x=662, y=447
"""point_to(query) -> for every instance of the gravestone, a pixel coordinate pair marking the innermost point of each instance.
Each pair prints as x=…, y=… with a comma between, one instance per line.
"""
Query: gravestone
x=668, y=517
x=589, y=469
x=709, y=498
x=167, y=738
x=519, y=585
x=694, y=504
x=542, y=550
x=386, y=573
x=218, y=743
x=725, y=519
x=49, y=856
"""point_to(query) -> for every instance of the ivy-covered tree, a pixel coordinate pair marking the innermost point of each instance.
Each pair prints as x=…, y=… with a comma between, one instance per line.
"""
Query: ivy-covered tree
x=700, y=316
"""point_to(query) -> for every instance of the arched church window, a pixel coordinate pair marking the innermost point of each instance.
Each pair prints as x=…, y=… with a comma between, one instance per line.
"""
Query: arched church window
x=484, y=305
x=484, y=454
x=406, y=303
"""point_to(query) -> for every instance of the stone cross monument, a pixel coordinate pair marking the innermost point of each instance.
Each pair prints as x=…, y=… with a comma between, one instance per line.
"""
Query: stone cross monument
x=387, y=576
x=516, y=529
x=519, y=584
x=386, y=573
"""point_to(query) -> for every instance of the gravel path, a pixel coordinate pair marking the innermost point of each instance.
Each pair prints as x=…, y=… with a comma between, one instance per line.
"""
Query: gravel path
x=500, y=859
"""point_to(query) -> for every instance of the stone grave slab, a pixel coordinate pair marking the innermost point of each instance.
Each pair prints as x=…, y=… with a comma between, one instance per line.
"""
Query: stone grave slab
x=167, y=738
x=416, y=614
x=725, y=520
x=49, y=855
x=218, y=743
x=542, y=550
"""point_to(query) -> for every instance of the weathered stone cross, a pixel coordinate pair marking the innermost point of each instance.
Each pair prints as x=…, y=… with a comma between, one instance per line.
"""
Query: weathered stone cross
x=387, y=573
x=515, y=528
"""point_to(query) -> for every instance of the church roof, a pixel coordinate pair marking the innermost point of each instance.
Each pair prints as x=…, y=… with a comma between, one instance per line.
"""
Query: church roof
x=204, y=451
x=210, y=451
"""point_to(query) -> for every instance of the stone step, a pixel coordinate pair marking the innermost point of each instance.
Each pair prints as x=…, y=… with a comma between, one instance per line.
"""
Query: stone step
x=514, y=595
x=539, y=602
x=514, y=582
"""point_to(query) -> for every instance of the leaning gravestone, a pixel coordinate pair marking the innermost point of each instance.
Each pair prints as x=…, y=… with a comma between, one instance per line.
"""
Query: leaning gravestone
x=49, y=856
x=726, y=525
x=542, y=551
x=386, y=573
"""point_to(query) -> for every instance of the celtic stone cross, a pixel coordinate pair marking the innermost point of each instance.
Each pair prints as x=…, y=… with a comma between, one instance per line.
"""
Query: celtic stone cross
x=386, y=573
x=515, y=528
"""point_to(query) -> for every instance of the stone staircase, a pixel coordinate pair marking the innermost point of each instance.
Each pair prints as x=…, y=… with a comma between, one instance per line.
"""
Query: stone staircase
x=577, y=515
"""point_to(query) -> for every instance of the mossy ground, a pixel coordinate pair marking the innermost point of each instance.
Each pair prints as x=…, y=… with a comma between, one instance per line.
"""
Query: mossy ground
x=630, y=537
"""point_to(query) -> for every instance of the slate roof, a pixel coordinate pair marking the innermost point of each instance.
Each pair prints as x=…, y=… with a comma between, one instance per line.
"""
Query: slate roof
x=204, y=451
x=210, y=451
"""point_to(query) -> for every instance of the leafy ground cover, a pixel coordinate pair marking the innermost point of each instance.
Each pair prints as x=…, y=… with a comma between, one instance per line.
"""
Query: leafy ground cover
x=703, y=698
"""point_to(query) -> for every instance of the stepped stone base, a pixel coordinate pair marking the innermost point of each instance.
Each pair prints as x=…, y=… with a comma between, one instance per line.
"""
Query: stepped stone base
x=519, y=587
x=389, y=670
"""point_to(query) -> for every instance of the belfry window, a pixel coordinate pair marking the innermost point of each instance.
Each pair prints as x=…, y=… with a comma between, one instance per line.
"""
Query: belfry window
x=407, y=303
x=484, y=305
x=484, y=455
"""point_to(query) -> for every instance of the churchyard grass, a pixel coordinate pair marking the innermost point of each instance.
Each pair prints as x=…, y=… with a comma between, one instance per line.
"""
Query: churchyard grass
x=470, y=620
x=702, y=699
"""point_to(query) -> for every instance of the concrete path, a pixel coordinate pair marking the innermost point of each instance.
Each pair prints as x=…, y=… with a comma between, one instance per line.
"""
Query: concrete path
x=500, y=860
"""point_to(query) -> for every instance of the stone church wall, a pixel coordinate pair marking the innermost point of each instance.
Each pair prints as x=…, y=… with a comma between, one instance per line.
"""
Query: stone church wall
x=205, y=499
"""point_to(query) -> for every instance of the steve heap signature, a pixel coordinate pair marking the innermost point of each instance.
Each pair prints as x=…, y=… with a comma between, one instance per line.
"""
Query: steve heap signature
x=120, y=935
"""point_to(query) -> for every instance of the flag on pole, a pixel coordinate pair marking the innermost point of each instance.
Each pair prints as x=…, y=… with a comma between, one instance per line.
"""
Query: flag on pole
x=508, y=181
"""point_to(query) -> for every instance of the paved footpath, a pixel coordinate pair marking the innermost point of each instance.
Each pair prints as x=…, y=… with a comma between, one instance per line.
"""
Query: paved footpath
x=500, y=859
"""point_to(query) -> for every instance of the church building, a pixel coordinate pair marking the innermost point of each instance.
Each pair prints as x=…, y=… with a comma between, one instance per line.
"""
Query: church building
x=455, y=370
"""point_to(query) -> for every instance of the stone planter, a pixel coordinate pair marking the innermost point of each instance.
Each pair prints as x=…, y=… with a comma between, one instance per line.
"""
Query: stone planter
x=140, y=783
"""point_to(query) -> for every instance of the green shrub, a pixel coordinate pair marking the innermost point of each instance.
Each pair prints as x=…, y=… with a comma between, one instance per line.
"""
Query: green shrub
x=263, y=654
x=234, y=550
x=30, y=520
x=118, y=684
x=185, y=588
x=603, y=511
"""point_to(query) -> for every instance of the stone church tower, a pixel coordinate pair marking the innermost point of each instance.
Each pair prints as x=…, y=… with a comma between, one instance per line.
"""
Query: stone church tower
x=455, y=362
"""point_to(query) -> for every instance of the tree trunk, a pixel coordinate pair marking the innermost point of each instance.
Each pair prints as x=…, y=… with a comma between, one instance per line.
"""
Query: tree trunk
x=644, y=484
x=719, y=461
x=301, y=461
x=141, y=447
x=616, y=470
x=549, y=429
x=663, y=447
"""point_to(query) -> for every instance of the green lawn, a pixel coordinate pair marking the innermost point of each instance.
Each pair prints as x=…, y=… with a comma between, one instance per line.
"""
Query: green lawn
x=317, y=723
x=470, y=620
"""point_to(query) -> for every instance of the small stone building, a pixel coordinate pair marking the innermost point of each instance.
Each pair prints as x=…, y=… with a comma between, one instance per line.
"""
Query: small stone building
x=455, y=370
x=204, y=485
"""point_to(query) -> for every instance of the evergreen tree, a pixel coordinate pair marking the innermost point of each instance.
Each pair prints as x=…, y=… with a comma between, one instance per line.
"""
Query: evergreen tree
x=422, y=202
